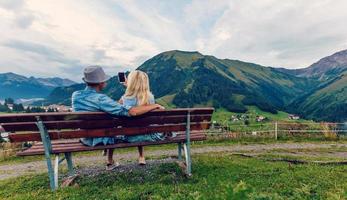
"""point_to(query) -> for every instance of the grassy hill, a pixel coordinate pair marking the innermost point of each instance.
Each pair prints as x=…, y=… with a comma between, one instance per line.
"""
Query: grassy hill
x=222, y=115
x=215, y=176
x=328, y=100
x=327, y=103
x=188, y=79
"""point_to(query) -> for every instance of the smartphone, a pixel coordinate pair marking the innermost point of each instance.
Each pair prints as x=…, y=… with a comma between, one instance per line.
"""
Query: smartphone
x=121, y=77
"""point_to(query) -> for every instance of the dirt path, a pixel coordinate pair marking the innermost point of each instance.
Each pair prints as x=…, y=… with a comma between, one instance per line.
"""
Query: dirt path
x=19, y=169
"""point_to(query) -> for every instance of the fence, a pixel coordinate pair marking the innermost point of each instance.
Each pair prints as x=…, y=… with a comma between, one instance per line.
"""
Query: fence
x=273, y=130
x=281, y=130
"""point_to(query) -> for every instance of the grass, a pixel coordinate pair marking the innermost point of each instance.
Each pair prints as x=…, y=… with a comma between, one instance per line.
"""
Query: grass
x=210, y=142
x=215, y=176
x=222, y=115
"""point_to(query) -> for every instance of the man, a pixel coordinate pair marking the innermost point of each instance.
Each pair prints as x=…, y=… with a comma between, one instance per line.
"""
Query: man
x=90, y=100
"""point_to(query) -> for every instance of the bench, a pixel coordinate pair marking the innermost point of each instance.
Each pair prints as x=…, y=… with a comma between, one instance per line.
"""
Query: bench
x=53, y=134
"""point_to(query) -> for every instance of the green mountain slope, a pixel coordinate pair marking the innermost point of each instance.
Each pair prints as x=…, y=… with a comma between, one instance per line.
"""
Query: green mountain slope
x=328, y=100
x=190, y=79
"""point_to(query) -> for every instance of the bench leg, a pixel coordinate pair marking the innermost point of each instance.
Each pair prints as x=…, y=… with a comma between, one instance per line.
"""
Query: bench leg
x=188, y=159
x=50, y=171
x=48, y=147
x=186, y=147
x=68, y=157
x=56, y=170
x=179, y=151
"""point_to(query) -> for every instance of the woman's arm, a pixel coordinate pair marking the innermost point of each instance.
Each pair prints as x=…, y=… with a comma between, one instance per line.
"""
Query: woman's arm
x=139, y=110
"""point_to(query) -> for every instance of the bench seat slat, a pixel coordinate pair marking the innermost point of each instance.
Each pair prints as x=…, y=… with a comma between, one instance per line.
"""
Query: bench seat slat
x=31, y=117
x=112, y=123
x=71, y=142
x=55, y=135
x=78, y=147
x=76, y=143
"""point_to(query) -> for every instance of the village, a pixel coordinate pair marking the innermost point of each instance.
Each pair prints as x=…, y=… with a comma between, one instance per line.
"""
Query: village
x=9, y=106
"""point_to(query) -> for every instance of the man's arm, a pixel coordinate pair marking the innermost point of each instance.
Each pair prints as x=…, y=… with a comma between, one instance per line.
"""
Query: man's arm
x=139, y=110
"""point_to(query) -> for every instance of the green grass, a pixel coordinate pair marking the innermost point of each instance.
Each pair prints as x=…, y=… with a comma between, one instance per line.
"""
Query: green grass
x=222, y=115
x=210, y=142
x=215, y=176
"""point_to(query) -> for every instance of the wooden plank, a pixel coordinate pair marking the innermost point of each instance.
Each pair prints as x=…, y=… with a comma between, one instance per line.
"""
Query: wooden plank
x=112, y=123
x=76, y=142
x=81, y=147
x=55, y=135
x=64, y=116
x=39, y=147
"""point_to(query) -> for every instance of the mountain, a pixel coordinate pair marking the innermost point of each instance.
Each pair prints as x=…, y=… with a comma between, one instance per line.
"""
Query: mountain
x=326, y=68
x=187, y=79
x=328, y=100
x=55, y=82
x=17, y=86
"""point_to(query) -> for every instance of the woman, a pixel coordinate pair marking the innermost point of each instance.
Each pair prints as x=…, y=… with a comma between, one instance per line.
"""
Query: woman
x=137, y=94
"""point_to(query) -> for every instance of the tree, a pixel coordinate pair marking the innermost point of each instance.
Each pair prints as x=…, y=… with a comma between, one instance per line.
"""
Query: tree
x=34, y=110
x=4, y=108
x=51, y=110
x=18, y=107
x=9, y=101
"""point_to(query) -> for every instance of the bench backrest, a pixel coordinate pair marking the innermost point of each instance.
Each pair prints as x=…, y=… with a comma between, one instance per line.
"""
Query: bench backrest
x=23, y=127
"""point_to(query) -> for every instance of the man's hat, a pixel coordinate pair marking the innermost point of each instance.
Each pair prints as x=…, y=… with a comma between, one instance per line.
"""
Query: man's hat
x=95, y=74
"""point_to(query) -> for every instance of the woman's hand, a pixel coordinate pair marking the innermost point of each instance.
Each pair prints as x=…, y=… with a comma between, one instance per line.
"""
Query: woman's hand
x=125, y=82
x=160, y=107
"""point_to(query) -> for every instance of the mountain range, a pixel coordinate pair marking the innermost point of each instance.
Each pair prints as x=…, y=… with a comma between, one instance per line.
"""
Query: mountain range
x=328, y=100
x=21, y=87
x=187, y=79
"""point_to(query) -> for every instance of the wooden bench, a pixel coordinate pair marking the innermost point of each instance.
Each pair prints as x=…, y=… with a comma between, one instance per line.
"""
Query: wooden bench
x=59, y=133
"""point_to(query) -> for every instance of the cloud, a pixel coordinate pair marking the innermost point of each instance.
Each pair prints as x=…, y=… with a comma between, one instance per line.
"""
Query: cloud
x=42, y=50
x=278, y=33
x=58, y=38
x=12, y=4
x=25, y=21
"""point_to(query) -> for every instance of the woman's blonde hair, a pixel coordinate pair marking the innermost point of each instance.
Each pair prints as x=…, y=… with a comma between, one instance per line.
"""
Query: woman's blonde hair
x=138, y=87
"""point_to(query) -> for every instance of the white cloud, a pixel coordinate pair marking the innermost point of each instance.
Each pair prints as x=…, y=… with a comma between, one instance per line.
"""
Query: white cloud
x=278, y=33
x=58, y=38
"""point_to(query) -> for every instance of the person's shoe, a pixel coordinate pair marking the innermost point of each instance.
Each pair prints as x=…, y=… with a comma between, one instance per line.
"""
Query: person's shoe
x=110, y=167
x=142, y=161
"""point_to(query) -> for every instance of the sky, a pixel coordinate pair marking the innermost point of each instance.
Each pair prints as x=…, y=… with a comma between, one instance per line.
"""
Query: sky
x=57, y=38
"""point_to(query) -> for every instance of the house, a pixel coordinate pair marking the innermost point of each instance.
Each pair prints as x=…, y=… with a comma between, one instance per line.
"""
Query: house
x=234, y=118
x=58, y=108
x=10, y=106
x=260, y=118
x=293, y=117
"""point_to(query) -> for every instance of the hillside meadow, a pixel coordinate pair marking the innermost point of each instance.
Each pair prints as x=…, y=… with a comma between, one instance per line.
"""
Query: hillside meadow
x=215, y=176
